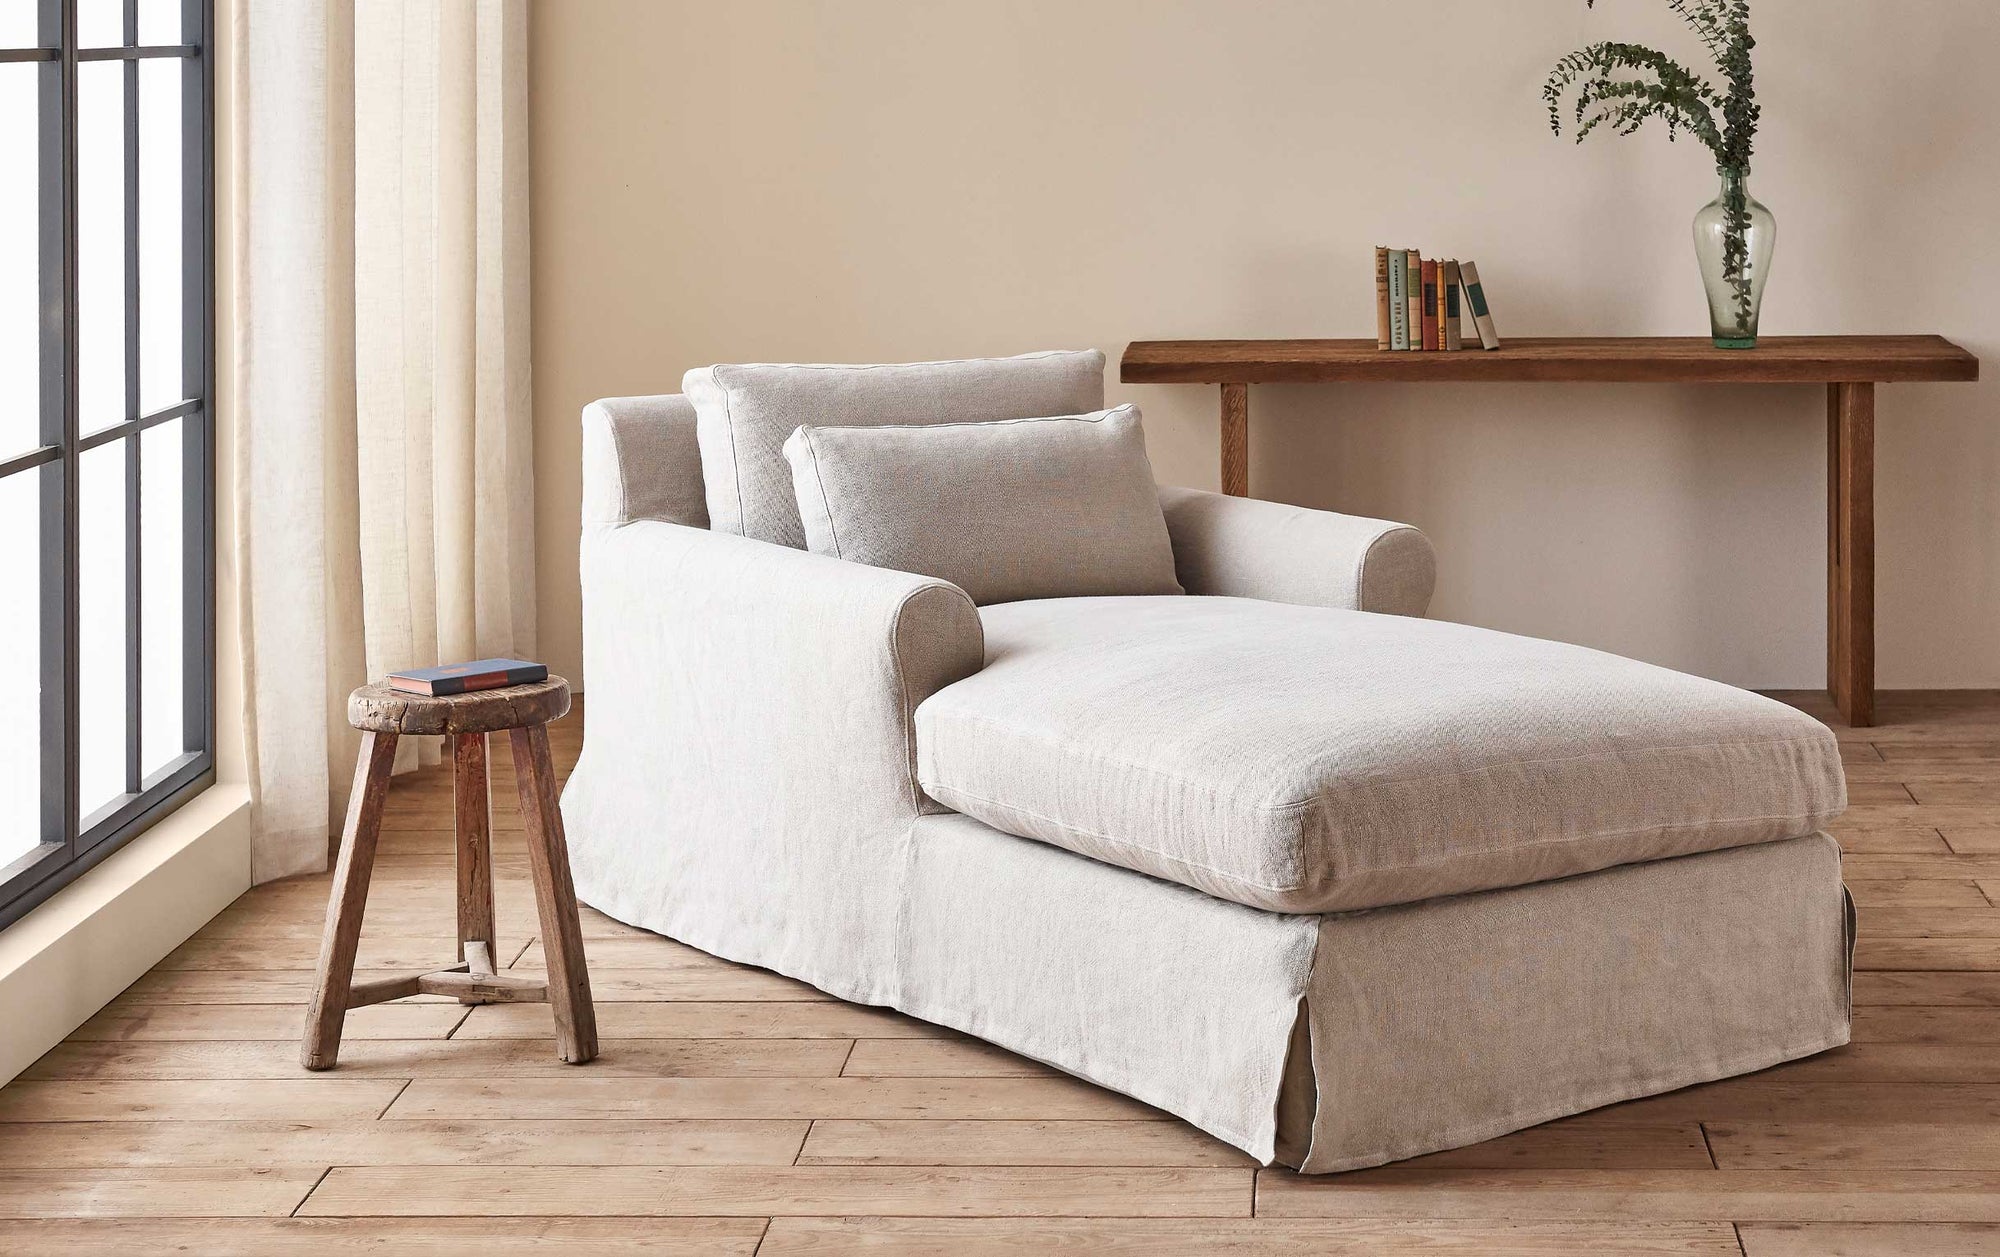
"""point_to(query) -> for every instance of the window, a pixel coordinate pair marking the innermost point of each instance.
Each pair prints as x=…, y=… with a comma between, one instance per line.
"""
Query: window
x=107, y=540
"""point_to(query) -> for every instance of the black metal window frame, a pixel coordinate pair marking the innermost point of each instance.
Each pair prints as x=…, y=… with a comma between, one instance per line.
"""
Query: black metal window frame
x=70, y=841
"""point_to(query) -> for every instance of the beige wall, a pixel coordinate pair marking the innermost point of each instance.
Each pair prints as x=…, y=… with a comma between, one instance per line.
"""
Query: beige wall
x=869, y=180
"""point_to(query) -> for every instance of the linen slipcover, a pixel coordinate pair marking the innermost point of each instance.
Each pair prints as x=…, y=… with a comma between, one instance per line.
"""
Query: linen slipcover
x=1053, y=507
x=745, y=412
x=748, y=785
x=640, y=462
x=1456, y=1020
x=1303, y=759
x=1247, y=548
x=748, y=770
x=1348, y=1040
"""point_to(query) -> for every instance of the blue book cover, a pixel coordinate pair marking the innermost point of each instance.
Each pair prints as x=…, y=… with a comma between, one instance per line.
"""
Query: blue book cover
x=463, y=678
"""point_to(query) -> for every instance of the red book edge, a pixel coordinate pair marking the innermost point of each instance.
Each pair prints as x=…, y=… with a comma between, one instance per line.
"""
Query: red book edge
x=466, y=684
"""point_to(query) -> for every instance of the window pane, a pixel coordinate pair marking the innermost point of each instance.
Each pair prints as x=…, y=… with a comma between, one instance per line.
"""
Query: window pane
x=162, y=568
x=99, y=23
x=20, y=258
x=96, y=271
x=18, y=24
x=160, y=22
x=160, y=381
x=101, y=624
x=100, y=226
x=20, y=634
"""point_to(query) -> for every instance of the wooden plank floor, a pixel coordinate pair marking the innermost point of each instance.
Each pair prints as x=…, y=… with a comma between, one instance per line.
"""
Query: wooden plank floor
x=736, y=1111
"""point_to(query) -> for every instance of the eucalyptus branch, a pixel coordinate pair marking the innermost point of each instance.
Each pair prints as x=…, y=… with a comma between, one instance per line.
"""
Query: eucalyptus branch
x=1703, y=18
x=1628, y=104
x=1620, y=87
x=1677, y=95
x=1736, y=248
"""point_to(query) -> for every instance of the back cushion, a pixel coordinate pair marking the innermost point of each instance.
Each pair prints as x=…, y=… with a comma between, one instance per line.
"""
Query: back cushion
x=1018, y=508
x=744, y=413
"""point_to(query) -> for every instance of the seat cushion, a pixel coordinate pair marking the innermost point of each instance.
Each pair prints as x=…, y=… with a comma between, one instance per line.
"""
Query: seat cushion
x=744, y=413
x=1302, y=759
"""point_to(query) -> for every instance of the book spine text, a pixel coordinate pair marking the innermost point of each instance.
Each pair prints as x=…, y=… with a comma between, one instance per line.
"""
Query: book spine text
x=1399, y=319
x=1381, y=297
x=1413, y=281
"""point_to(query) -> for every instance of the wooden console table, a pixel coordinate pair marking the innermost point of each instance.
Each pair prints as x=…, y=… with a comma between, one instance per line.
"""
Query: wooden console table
x=1849, y=366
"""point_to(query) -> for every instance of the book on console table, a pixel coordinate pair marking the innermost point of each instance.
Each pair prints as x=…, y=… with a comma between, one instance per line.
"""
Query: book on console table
x=1421, y=303
x=1399, y=316
x=1449, y=282
x=1430, y=337
x=1381, y=297
x=1475, y=301
x=1413, y=281
x=464, y=678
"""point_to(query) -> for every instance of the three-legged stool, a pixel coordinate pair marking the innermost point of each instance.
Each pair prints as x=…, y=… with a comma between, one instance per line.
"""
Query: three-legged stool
x=523, y=711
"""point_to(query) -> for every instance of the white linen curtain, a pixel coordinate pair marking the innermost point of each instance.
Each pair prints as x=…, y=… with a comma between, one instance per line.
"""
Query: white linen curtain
x=383, y=446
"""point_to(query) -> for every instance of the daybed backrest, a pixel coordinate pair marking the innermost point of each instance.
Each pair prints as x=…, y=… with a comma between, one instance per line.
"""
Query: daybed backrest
x=747, y=411
x=641, y=461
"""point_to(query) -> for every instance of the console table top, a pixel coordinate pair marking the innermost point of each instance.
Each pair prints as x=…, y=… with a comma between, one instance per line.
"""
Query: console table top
x=1600, y=359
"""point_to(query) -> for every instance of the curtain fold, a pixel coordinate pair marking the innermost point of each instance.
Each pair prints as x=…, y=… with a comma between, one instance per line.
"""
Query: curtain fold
x=384, y=443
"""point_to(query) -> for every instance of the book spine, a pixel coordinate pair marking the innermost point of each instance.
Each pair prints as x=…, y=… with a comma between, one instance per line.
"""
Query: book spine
x=1430, y=273
x=1413, y=288
x=1443, y=303
x=490, y=680
x=1435, y=315
x=1399, y=325
x=1448, y=283
x=1381, y=297
x=1475, y=300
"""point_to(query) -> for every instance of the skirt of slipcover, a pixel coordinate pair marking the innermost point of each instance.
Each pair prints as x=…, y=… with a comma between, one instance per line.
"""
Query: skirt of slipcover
x=1342, y=1041
x=1448, y=1022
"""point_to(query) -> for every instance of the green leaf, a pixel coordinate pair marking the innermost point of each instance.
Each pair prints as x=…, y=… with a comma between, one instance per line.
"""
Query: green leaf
x=1623, y=86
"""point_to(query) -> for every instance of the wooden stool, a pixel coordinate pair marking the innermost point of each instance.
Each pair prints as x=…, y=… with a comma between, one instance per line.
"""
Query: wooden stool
x=384, y=715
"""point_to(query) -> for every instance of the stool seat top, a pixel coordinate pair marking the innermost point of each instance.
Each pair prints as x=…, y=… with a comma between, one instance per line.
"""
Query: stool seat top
x=379, y=709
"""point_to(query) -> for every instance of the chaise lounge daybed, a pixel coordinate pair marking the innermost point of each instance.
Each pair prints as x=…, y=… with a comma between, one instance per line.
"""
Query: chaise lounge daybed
x=1332, y=882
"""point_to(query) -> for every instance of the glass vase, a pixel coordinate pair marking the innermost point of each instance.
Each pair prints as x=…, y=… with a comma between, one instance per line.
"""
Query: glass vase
x=1733, y=237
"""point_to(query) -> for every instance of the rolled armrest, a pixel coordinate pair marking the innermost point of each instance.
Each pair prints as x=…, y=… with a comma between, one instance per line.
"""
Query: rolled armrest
x=1244, y=548
x=640, y=461
x=748, y=777
x=762, y=657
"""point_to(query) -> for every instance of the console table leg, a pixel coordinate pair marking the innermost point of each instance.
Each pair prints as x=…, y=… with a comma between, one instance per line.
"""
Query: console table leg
x=1236, y=440
x=1850, y=550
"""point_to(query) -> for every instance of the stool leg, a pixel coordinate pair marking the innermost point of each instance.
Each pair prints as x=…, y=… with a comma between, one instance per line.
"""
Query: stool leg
x=335, y=977
x=475, y=846
x=555, y=895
